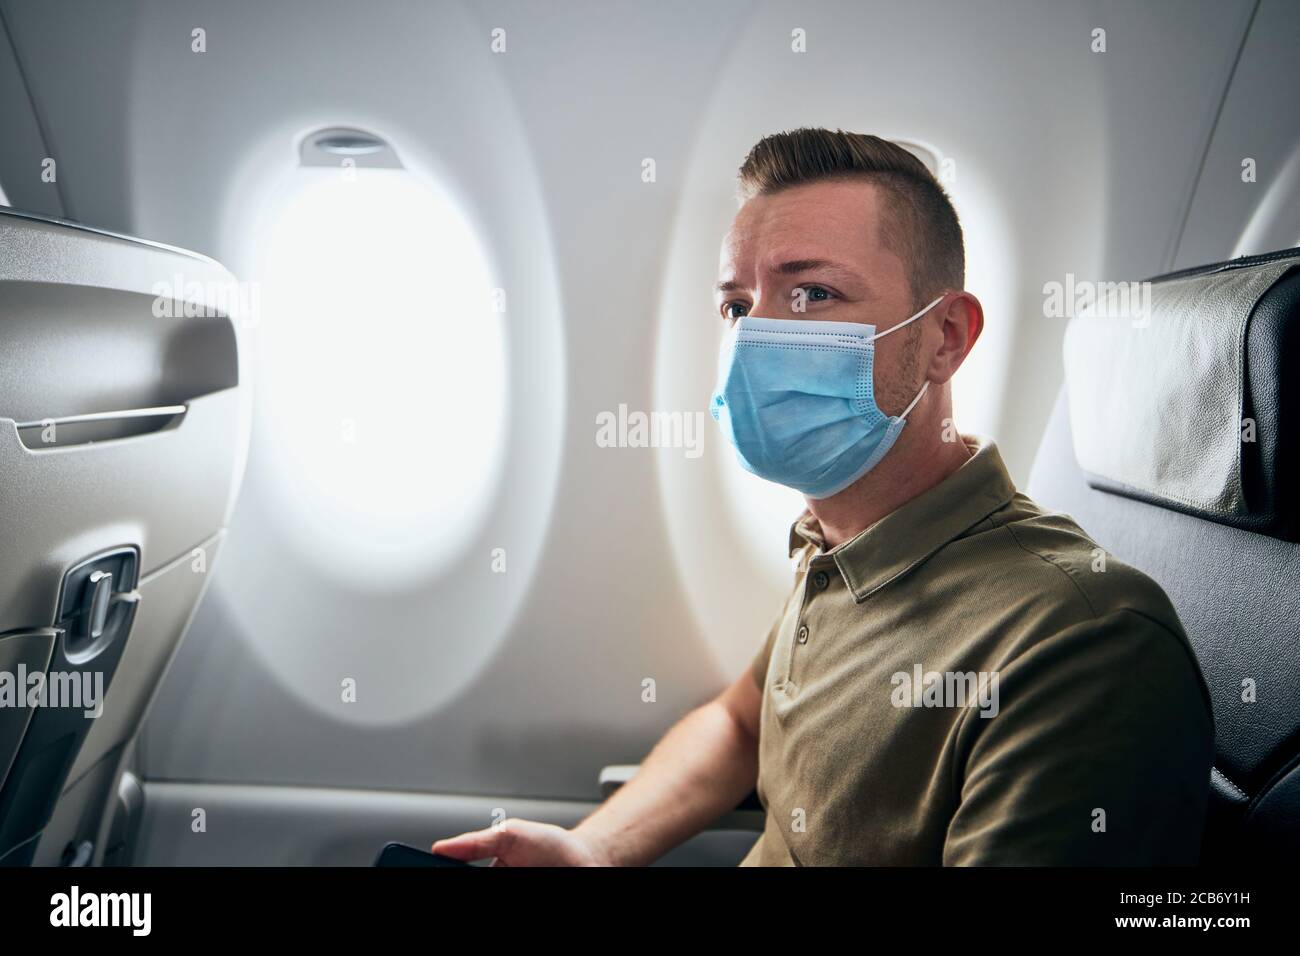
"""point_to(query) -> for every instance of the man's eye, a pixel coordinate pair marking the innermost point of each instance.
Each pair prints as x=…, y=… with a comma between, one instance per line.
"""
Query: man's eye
x=816, y=293
x=734, y=310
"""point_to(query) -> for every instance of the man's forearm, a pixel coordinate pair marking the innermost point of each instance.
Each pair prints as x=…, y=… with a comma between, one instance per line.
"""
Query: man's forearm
x=702, y=768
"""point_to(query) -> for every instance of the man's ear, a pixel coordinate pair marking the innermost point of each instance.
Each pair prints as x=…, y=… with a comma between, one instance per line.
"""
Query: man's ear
x=962, y=321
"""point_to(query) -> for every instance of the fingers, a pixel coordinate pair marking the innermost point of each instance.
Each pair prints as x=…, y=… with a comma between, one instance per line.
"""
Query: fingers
x=476, y=845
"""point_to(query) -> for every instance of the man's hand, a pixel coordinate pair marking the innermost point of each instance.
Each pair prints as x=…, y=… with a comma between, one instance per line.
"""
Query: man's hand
x=701, y=769
x=522, y=843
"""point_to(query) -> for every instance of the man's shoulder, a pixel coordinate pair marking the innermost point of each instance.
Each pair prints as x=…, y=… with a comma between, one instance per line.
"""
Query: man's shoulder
x=1057, y=563
x=1087, y=622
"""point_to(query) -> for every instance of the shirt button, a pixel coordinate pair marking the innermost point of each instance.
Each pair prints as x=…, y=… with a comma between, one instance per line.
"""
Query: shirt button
x=820, y=580
x=803, y=633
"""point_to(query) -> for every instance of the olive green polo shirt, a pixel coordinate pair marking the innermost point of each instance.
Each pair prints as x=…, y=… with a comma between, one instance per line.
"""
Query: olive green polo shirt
x=972, y=680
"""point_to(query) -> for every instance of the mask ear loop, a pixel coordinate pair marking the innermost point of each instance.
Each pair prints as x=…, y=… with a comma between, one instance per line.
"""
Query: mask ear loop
x=915, y=400
x=880, y=335
x=895, y=329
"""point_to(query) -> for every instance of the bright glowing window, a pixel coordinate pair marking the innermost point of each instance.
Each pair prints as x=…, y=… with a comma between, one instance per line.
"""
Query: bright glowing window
x=381, y=373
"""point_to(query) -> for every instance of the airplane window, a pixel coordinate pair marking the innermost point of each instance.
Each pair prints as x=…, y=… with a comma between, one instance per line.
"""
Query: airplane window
x=406, y=434
x=380, y=380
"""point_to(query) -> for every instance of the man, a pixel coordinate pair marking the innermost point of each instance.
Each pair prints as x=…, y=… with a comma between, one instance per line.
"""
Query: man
x=957, y=677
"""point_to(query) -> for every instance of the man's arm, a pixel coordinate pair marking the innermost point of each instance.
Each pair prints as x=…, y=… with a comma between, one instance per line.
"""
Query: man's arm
x=702, y=768
x=1099, y=755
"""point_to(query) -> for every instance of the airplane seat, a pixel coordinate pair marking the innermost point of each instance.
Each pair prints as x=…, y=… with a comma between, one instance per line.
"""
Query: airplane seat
x=123, y=428
x=1175, y=443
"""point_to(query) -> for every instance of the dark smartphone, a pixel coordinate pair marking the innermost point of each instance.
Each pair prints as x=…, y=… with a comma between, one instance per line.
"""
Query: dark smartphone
x=400, y=854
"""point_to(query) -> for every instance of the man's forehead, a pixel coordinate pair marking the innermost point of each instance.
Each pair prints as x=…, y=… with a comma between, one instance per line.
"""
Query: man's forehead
x=827, y=221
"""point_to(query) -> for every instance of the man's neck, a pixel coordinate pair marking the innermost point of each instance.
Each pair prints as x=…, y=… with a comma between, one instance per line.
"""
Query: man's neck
x=903, y=474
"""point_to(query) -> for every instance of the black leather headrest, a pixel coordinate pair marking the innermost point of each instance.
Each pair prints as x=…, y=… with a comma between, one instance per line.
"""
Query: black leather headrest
x=1271, y=467
x=1183, y=398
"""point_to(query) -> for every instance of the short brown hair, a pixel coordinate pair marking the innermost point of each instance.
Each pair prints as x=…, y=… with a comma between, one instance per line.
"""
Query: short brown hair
x=921, y=226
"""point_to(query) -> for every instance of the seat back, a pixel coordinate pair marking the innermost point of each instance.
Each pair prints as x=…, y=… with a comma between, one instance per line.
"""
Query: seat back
x=1187, y=470
x=122, y=432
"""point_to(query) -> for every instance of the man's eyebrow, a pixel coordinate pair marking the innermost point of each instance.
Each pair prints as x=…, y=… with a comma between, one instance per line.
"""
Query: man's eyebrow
x=797, y=266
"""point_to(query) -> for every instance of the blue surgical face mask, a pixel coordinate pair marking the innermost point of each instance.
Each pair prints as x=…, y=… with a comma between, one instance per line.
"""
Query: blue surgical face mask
x=797, y=400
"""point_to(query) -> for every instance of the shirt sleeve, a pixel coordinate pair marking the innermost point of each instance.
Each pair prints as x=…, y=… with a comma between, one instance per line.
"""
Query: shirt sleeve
x=1099, y=753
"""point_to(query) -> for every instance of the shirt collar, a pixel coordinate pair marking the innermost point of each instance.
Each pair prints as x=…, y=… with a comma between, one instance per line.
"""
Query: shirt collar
x=908, y=535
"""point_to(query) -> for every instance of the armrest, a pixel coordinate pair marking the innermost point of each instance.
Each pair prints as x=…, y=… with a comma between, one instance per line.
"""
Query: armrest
x=614, y=776
x=747, y=815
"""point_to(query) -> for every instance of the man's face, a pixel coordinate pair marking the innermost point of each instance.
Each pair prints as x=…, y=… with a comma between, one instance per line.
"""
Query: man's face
x=818, y=247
